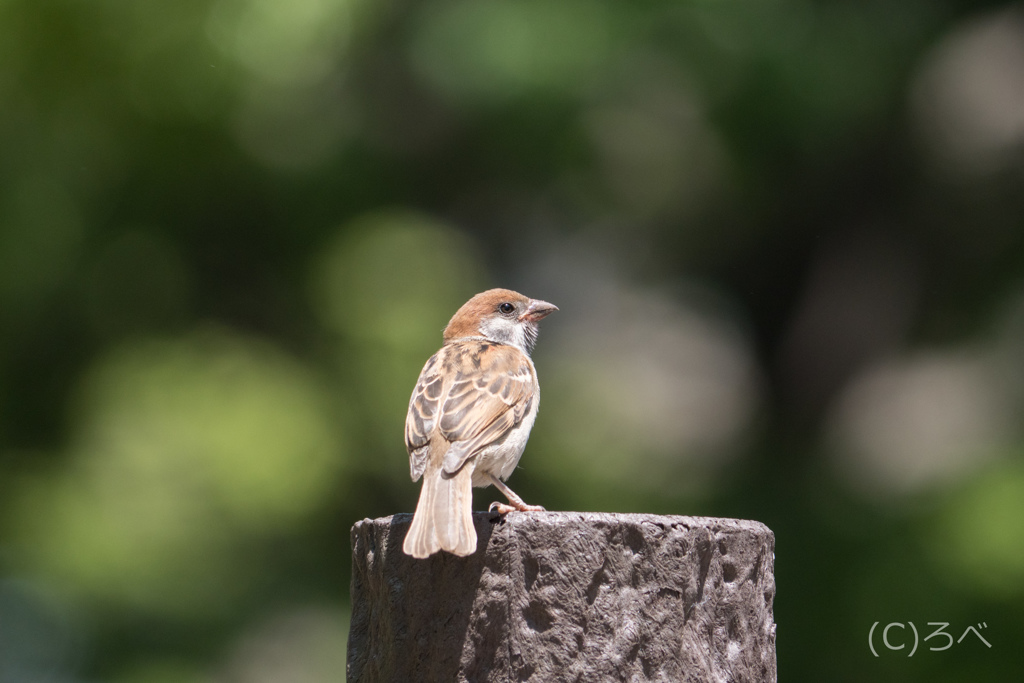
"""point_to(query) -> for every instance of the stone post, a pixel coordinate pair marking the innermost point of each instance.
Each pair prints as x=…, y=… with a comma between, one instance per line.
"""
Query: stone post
x=566, y=596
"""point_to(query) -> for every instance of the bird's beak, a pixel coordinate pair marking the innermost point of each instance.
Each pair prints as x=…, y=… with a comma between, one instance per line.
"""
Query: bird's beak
x=537, y=310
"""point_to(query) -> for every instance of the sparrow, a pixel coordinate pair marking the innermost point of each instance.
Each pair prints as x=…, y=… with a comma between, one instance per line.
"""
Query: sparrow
x=470, y=416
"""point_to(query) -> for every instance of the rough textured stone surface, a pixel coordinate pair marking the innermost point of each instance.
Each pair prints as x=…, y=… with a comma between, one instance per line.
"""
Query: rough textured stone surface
x=565, y=596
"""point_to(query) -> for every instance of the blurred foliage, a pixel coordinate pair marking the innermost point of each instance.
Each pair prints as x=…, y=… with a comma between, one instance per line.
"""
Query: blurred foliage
x=786, y=238
x=181, y=449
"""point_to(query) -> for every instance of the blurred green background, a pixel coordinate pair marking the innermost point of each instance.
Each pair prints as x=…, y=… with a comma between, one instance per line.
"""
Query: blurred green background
x=786, y=237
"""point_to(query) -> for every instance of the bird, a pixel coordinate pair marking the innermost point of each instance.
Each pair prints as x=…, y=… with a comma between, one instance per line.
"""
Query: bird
x=470, y=416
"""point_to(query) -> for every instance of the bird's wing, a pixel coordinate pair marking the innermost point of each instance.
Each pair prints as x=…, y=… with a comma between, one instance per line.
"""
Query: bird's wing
x=422, y=416
x=492, y=388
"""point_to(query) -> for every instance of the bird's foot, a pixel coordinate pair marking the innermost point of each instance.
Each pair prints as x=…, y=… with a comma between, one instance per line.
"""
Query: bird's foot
x=503, y=509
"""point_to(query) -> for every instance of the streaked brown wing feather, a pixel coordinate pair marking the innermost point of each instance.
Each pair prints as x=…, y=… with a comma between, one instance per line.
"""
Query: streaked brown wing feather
x=492, y=389
x=422, y=416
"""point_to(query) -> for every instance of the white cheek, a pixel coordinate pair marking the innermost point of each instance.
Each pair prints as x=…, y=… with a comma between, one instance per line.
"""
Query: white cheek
x=504, y=331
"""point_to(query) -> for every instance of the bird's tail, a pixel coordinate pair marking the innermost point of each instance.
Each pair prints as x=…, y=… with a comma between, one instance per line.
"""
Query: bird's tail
x=444, y=514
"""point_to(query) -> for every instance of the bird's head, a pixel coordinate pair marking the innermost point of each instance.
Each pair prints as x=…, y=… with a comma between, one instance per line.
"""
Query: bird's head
x=501, y=316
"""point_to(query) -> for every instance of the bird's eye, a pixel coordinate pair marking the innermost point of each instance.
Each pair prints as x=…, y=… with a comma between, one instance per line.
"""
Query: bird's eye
x=506, y=308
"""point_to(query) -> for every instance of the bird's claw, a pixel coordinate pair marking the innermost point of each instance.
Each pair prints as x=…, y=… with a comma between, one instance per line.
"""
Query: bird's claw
x=503, y=509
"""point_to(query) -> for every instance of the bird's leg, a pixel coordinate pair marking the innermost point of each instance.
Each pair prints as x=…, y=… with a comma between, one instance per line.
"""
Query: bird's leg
x=516, y=502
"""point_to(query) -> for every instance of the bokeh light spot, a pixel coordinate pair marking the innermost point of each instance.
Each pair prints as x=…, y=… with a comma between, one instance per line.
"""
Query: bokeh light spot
x=183, y=449
x=911, y=424
x=387, y=286
x=639, y=383
x=293, y=128
x=493, y=51
x=979, y=537
x=294, y=42
x=968, y=99
x=657, y=154
x=395, y=278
